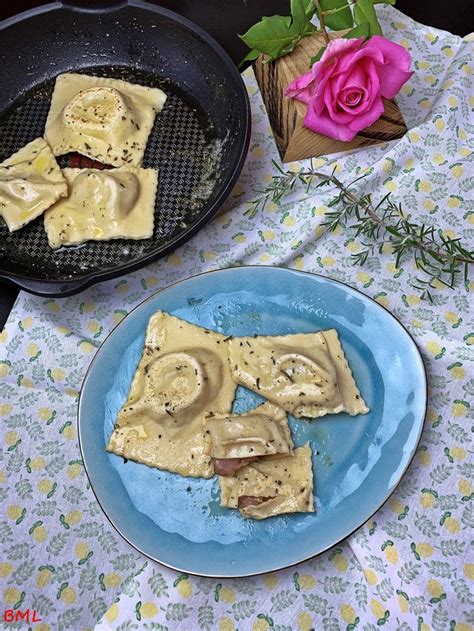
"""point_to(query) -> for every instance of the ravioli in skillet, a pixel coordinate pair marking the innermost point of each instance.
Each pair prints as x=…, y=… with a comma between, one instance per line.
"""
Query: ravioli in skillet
x=30, y=182
x=234, y=440
x=183, y=374
x=103, y=205
x=108, y=120
x=269, y=487
x=307, y=374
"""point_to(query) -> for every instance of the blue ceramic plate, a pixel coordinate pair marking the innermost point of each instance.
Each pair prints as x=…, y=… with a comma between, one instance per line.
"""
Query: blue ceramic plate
x=358, y=461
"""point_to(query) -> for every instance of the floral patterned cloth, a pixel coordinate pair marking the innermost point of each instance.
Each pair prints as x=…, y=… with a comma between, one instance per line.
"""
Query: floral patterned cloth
x=409, y=566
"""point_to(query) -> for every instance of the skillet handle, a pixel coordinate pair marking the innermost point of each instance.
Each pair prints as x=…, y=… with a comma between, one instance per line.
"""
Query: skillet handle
x=47, y=289
x=94, y=5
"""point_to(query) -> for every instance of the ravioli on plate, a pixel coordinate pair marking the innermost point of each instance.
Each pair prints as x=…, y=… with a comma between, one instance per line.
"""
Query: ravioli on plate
x=30, y=182
x=234, y=440
x=183, y=374
x=269, y=487
x=103, y=205
x=105, y=119
x=307, y=374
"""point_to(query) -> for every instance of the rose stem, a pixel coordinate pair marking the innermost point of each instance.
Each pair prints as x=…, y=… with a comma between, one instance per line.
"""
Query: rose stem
x=321, y=20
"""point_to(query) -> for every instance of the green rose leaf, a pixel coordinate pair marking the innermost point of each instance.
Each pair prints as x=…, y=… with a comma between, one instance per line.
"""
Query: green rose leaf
x=311, y=9
x=317, y=57
x=301, y=14
x=341, y=18
x=362, y=30
x=278, y=35
x=364, y=12
x=251, y=56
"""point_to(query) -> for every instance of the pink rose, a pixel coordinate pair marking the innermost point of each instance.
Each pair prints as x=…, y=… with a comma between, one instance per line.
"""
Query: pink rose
x=344, y=89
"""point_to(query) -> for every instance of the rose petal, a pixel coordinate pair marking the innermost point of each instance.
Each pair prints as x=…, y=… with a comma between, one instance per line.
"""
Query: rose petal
x=331, y=103
x=318, y=99
x=338, y=47
x=343, y=90
x=347, y=63
x=301, y=88
x=353, y=99
x=392, y=82
x=367, y=67
x=323, y=124
x=373, y=83
x=355, y=79
x=393, y=53
x=394, y=69
x=362, y=121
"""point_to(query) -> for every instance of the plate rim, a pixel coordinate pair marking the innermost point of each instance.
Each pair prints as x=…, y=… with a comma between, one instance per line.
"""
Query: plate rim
x=307, y=557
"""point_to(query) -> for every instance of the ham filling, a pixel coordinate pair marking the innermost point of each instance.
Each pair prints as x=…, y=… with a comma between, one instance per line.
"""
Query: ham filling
x=251, y=500
x=228, y=466
x=78, y=161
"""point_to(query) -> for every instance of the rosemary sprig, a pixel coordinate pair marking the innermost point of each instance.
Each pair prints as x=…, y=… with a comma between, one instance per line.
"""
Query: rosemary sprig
x=439, y=258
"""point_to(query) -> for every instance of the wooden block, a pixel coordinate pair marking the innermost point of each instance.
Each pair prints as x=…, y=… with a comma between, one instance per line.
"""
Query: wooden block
x=293, y=139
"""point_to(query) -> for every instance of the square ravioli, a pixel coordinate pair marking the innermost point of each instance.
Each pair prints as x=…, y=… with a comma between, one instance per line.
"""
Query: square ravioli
x=233, y=440
x=183, y=374
x=30, y=182
x=103, y=205
x=108, y=120
x=269, y=487
x=307, y=374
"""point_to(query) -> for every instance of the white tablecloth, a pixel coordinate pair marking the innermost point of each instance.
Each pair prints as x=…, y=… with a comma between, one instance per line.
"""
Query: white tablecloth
x=409, y=566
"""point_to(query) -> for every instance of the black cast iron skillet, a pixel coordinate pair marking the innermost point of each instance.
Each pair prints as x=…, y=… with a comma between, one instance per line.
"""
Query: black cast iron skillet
x=199, y=141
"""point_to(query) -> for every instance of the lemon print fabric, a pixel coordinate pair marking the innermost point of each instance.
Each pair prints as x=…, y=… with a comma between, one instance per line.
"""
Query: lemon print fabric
x=409, y=568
